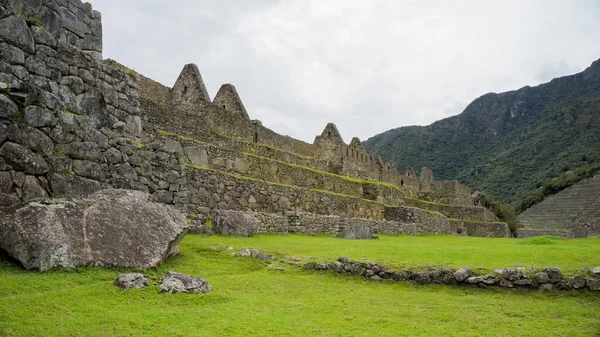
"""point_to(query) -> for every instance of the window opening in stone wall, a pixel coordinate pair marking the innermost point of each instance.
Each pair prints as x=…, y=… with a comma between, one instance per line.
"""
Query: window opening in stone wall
x=401, y=182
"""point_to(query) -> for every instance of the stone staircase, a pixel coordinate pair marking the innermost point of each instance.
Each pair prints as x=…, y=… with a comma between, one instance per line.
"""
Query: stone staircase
x=560, y=213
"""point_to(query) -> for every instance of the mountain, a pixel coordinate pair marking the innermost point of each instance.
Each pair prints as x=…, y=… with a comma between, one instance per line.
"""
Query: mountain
x=507, y=144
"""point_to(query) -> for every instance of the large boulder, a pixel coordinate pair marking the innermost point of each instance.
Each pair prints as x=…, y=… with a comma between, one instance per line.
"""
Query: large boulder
x=356, y=231
x=234, y=223
x=109, y=228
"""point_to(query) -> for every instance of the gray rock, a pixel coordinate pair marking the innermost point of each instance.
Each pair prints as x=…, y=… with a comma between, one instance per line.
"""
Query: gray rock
x=475, y=279
x=234, y=223
x=165, y=197
x=506, y=283
x=596, y=271
x=6, y=182
x=39, y=117
x=32, y=190
x=11, y=54
x=523, y=282
x=42, y=36
x=280, y=269
x=131, y=281
x=14, y=30
x=81, y=150
x=23, y=159
x=577, y=282
x=61, y=164
x=173, y=146
x=111, y=228
x=490, y=279
x=74, y=83
x=562, y=285
x=554, y=274
x=546, y=286
x=463, y=274
x=542, y=277
x=9, y=200
x=37, y=140
x=8, y=109
x=309, y=265
x=173, y=282
x=88, y=169
x=356, y=231
x=196, y=156
x=65, y=185
x=593, y=284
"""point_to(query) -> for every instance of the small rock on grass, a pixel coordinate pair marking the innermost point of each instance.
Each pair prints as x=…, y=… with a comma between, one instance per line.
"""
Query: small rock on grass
x=131, y=281
x=173, y=282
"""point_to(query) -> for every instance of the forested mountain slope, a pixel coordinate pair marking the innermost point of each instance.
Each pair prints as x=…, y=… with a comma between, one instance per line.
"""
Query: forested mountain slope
x=507, y=144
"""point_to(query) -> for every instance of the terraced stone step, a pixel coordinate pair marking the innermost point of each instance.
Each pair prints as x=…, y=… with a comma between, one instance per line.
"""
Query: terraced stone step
x=206, y=155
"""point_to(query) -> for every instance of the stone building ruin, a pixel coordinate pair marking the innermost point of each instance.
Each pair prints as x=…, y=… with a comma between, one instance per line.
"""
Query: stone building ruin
x=72, y=123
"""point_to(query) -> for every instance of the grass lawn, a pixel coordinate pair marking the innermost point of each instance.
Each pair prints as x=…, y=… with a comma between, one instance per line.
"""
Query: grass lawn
x=251, y=299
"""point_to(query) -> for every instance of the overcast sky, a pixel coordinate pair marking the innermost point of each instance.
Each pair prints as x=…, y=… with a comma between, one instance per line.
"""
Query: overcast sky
x=366, y=65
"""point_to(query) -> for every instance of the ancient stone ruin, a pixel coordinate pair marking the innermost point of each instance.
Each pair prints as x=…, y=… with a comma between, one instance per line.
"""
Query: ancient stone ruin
x=72, y=124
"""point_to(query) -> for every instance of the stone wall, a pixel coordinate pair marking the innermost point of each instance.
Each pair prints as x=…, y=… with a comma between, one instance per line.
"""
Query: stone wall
x=447, y=192
x=472, y=213
x=69, y=21
x=211, y=190
x=426, y=222
x=479, y=228
x=313, y=224
x=67, y=121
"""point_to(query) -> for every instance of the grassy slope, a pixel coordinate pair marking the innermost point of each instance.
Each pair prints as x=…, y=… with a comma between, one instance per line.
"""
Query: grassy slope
x=250, y=299
x=507, y=144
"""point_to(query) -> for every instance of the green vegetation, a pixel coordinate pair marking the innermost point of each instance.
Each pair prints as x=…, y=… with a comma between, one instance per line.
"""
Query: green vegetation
x=251, y=299
x=216, y=133
x=540, y=240
x=510, y=144
x=558, y=184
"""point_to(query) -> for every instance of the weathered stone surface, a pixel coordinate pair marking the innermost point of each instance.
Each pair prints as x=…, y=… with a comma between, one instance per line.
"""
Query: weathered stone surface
x=23, y=159
x=356, y=231
x=39, y=117
x=554, y=274
x=173, y=282
x=523, y=282
x=32, y=190
x=196, y=156
x=37, y=140
x=6, y=182
x=542, y=277
x=64, y=185
x=577, y=282
x=8, y=109
x=593, y=284
x=596, y=271
x=234, y=223
x=88, y=169
x=546, y=286
x=463, y=274
x=81, y=150
x=14, y=30
x=132, y=281
x=111, y=228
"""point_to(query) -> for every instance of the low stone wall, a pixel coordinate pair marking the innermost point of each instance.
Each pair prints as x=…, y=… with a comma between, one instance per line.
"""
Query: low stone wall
x=449, y=192
x=426, y=222
x=313, y=224
x=472, y=213
x=508, y=278
x=479, y=228
x=209, y=190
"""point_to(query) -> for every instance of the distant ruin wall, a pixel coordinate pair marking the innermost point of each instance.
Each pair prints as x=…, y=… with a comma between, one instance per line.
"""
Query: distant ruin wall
x=313, y=224
x=425, y=222
x=472, y=213
x=69, y=21
x=479, y=228
x=213, y=190
x=448, y=192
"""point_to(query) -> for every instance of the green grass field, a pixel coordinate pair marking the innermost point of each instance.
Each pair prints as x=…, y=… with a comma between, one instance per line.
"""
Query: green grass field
x=250, y=298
